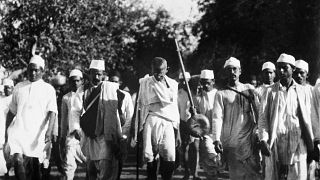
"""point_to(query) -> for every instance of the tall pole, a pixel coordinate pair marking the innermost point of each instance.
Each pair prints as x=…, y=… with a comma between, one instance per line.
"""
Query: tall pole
x=184, y=74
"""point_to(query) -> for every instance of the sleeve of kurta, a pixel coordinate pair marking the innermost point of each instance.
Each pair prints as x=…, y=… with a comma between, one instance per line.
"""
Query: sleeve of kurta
x=217, y=117
x=64, y=117
x=52, y=101
x=56, y=126
x=263, y=124
x=315, y=112
x=128, y=109
x=14, y=104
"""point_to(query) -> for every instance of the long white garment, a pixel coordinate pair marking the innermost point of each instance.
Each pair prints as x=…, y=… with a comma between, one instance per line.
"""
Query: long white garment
x=261, y=91
x=159, y=116
x=232, y=122
x=183, y=105
x=4, y=108
x=128, y=110
x=71, y=108
x=158, y=139
x=279, y=124
x=234, y=127
x=204, y=104
x=31, y=102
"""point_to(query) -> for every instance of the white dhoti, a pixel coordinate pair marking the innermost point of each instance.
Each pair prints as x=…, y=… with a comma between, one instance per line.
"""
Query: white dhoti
x=158, y=139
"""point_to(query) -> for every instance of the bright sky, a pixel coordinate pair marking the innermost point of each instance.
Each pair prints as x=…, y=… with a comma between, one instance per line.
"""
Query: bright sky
x=180, y=10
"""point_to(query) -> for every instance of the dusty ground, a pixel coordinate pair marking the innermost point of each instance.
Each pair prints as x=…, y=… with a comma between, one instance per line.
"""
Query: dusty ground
x=129, y=171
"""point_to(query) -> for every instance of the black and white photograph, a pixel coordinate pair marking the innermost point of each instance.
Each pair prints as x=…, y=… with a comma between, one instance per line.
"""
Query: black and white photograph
x=159, y=90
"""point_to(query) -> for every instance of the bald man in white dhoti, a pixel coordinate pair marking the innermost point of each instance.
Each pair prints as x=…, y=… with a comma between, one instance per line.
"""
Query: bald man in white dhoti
x=158, y=101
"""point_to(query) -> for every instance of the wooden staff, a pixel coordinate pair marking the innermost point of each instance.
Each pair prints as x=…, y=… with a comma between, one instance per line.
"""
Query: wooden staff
x=184, y=75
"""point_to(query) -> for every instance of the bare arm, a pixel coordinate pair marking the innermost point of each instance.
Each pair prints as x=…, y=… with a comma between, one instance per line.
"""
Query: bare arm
x=51, y=116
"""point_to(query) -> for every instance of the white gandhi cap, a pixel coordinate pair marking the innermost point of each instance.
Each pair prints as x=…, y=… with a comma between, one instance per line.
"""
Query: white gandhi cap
x=206, y=74
x=36, y=59
x=268, y=65
x=76, y=72
x=286, y=58
x=232, y=62
x=97, y=64
x=187, y=75
x=7, y=82
x=302, y=65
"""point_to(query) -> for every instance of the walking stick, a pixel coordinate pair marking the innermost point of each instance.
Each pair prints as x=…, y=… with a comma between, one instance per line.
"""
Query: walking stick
x=184, y=76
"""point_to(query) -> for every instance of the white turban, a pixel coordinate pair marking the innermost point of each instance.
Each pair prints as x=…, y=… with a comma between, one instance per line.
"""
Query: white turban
x=7, y=82
x=38, y=60
x=97, y=64
x=206, y=74
x=187, y=75
x=268, y=65
x=286, y=58
x=302, y=65
x=232, y=62
x=76, y=72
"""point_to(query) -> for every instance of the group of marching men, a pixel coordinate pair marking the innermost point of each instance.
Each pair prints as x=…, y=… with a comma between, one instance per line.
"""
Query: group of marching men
x=271, y=132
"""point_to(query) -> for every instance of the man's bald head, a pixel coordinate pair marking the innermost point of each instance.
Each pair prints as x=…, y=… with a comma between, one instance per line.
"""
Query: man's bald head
x=159, y=68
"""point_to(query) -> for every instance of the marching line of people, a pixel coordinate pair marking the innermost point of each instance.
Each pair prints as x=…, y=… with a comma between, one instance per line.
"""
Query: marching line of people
x=269, y=132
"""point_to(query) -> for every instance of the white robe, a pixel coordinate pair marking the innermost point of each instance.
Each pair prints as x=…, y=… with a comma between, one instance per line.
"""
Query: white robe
x=183, y=105
x=4, y=108
x=204, y=104
x=31, y=102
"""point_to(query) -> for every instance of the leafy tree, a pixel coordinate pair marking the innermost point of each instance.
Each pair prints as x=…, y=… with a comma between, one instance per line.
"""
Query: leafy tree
x=257, y=31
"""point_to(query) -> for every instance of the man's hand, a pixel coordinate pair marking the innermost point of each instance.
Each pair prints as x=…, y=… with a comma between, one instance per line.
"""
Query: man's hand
x=265, y=148
x=218, y=147
x=48, y=136
x=192, y=111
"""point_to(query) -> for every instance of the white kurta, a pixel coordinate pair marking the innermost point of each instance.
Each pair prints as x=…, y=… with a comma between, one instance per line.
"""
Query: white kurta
x=128, y=110
x=31, y=102
x=234, y=127
x=4, y=108
x=71, y=108
x=183, y=105
x=204, y=104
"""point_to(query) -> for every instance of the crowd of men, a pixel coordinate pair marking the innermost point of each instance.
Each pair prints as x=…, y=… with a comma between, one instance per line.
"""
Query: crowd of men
x=266, y=132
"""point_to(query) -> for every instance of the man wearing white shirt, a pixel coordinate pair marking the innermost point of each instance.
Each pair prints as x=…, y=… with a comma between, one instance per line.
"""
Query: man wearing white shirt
x=268, y=75
x=204, y=104
x=233, y=124
x=286, y=130
x=31, y=117
x=4, y=108
x=70, y=127
x=126, y=113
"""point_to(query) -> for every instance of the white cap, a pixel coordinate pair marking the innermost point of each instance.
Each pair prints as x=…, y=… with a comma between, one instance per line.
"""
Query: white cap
x=76, y=72
x=233, y=62
x=302, y=65
x=97, y=64
x=206, y=74
x=286, y=58
x=187, y=75
x=7, y=82
x=268, y=65
x=38, y=60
